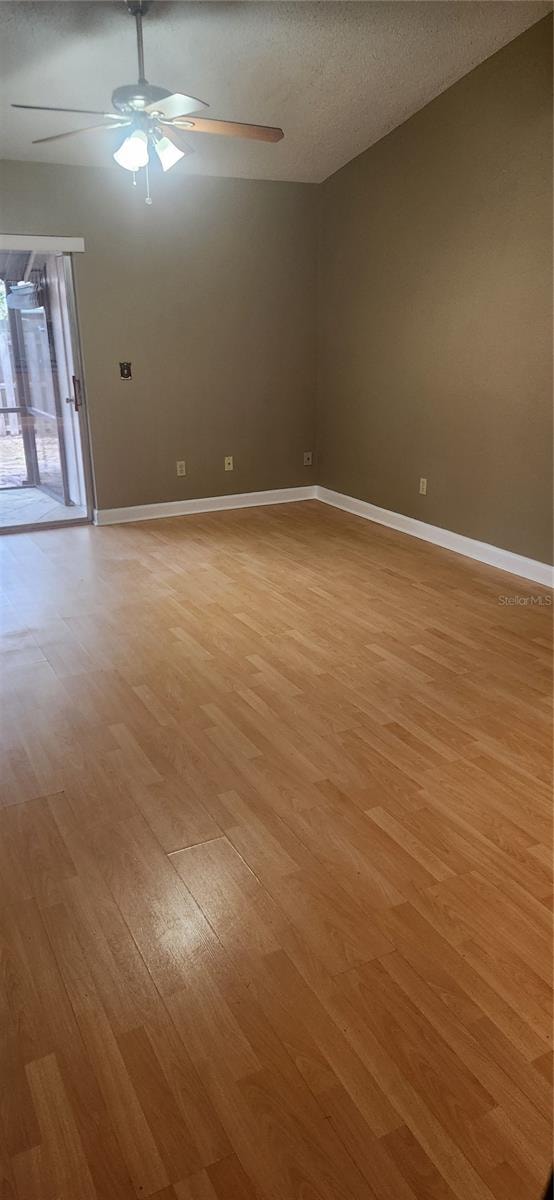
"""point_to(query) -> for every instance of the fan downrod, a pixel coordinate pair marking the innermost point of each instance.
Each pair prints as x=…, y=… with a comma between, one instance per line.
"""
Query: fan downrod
x=134, y=97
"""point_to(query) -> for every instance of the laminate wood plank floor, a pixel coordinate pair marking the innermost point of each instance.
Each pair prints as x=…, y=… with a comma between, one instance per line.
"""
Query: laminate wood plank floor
x=275, y=858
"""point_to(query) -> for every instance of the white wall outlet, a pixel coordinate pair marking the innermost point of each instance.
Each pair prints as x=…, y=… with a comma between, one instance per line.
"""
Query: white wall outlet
x=181, y=467
x=229, y=463
x=307, y=458
x=423, y=486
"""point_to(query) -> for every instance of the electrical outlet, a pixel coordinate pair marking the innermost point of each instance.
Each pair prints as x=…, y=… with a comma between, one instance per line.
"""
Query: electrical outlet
x=181, y=467
x=307, y=458
x=229, y=463
x=423, y=486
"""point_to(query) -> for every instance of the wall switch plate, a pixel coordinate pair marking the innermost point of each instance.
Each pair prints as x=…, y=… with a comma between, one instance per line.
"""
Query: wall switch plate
x=423, y=486
x=307, y=458
x=125, y=370
x=229, y=463
x=181, y=467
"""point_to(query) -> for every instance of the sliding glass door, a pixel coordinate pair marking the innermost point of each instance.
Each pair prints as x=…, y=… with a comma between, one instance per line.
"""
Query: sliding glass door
x=44, y=470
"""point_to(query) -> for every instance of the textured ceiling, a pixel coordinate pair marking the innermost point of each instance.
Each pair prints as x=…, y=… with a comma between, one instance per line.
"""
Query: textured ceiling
x=335, y=76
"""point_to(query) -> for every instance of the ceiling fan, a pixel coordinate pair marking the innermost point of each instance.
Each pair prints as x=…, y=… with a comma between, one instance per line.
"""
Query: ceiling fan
x=155, y=118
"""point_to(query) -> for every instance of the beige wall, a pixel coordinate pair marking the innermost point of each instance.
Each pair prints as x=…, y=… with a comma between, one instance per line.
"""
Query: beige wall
x=435, y=309
x=210, y=294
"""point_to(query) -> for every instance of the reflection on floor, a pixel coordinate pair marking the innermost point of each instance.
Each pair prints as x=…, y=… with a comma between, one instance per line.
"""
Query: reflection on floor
x=30, y=506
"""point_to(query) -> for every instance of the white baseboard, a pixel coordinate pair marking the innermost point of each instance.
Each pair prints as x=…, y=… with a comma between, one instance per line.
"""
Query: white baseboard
x=504, y=560
x=178, y=508
x=494, y=556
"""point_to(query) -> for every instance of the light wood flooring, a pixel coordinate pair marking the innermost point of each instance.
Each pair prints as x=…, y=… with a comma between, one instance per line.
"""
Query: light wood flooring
x=275, y=865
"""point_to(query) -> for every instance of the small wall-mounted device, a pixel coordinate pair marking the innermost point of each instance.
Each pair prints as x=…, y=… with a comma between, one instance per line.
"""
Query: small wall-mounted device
x=125, y=370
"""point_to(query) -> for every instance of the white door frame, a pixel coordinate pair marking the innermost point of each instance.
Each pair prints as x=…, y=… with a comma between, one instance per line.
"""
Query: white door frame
x=80, y=414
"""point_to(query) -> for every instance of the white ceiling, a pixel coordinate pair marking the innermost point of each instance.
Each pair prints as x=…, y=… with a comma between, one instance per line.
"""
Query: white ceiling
x=335, y=76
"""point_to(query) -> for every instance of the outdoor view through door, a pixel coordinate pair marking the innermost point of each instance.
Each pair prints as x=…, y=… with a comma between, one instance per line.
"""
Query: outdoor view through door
x=43, y=477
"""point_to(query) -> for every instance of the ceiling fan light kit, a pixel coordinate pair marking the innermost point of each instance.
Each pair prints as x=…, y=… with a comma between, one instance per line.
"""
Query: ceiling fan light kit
x=154, y=117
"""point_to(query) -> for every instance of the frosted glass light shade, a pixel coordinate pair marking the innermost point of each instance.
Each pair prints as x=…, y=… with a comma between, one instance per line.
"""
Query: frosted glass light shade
x=168, y=154
x=133, y=152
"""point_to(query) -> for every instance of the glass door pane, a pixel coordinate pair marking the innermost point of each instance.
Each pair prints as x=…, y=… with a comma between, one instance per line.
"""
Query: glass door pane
x=13, y=466
x=43, y=403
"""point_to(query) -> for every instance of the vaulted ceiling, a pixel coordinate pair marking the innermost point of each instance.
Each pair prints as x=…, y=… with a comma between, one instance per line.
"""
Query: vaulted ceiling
x=335, y=76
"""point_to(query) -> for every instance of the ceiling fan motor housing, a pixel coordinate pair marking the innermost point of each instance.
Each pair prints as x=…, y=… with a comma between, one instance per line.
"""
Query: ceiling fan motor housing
x=134, y=97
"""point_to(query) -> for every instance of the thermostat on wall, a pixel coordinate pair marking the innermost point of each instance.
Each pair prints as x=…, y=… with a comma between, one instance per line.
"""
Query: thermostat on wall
x=125, y=370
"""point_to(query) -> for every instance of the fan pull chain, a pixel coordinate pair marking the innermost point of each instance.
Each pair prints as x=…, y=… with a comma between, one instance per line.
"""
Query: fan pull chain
x=148, y=199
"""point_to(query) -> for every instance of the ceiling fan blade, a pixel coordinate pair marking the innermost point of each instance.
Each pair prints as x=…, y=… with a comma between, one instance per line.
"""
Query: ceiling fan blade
x=174, y=135
x=89, y=112
x=55, y=137
x=261, y=133
x=176, y=106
